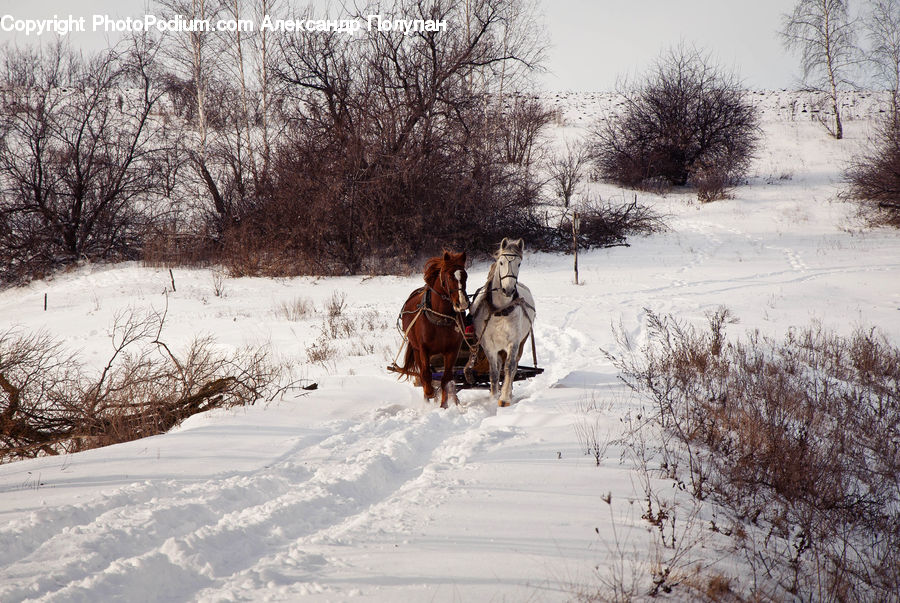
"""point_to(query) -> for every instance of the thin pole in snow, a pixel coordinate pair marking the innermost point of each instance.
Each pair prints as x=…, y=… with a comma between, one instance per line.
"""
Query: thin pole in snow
x=575, y=226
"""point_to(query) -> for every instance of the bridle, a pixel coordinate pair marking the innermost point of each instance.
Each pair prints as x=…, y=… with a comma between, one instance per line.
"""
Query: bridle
x=454, y=294
x=515, y=277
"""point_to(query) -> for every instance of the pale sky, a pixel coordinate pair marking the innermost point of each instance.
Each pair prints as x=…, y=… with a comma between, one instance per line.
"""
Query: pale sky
x=596, y=41
x=593, y=42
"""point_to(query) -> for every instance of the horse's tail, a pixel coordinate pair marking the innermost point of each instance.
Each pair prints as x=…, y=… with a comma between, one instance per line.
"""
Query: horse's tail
x=408, y=368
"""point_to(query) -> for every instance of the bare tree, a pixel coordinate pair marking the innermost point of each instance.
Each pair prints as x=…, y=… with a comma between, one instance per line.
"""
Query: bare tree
x=874, y=177
x=262, y=43
x=221, y=83
x=389, y=136
x=825, y=36
x=80, y=155
x=194, y=59
x=882, y=25
x=567, y=171
x=517, y=127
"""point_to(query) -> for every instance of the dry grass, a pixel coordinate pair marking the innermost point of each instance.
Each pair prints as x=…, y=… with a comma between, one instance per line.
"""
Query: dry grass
x=797, y=440
x=296, y=309
x=345, y=330
x=712, y=184
x=321, y=351
x=593, y=439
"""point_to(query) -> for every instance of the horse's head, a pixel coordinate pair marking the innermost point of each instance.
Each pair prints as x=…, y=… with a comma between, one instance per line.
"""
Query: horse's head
x=447, y=275
x=455, y=272
x=509, y=258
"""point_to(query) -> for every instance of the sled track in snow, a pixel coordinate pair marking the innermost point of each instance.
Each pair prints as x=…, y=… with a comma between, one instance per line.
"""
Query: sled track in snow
x=350, y=472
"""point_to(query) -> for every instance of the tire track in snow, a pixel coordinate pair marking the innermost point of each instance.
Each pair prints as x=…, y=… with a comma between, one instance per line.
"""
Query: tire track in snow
x=127, y=522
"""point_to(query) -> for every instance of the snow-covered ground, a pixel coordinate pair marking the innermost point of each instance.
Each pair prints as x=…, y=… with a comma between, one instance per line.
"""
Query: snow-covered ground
x=360, y=490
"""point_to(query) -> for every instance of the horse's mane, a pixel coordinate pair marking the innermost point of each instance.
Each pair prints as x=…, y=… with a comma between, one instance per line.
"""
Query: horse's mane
x=490, y=277
x=511, y=247
x=433, y=269
x=448, y=261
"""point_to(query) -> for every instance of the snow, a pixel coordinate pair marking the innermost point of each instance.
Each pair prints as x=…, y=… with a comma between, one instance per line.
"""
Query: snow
x=360, y=490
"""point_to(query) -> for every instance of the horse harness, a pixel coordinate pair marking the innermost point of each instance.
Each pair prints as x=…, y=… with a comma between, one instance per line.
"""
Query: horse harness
x=517, y=300
x=434, y=317
x=515, y=277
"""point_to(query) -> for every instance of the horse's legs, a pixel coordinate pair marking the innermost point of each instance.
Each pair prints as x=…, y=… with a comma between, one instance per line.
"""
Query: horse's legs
x=510, y=367
x=424, y=363
x=494, y=361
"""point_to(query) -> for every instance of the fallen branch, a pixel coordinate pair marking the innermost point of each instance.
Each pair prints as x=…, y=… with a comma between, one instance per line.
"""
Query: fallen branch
x=51, y=405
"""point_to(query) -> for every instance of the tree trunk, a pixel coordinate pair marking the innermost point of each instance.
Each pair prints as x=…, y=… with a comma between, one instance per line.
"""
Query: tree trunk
x=838, y=126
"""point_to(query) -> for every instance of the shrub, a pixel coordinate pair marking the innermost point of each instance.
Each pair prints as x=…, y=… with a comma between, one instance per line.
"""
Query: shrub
x=796, y=440
x=688, y=117
x=398, y=143
x=295, y=309
x=874, y=178
x=712, y=184
x=51, y=404
x=603, y=223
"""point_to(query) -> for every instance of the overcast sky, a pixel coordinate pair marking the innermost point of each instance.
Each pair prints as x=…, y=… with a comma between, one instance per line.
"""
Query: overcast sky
x=596, y=41
x=593, y=42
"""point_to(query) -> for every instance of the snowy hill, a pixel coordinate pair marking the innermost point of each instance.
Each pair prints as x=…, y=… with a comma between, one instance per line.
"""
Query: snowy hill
x=359, y=490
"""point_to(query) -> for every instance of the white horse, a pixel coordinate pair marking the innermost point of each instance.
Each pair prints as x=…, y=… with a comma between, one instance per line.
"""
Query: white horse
x=503, y=313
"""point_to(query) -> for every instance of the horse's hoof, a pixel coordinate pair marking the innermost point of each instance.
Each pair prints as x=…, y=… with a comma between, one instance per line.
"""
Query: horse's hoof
x=444, y=405
x=502, y=403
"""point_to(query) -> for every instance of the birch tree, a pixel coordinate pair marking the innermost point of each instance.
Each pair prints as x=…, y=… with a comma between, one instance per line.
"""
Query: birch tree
x=195, y=58
x=824, y=35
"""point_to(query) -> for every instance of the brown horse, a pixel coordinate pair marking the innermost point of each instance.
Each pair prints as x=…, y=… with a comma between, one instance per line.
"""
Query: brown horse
x=431, y=320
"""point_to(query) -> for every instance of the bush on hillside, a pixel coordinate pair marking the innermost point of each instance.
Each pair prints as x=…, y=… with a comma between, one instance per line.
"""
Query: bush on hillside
x=687, y=123
x=874, y=178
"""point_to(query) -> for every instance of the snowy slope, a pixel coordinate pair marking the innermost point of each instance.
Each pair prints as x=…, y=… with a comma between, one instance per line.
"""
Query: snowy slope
x=360, y=490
